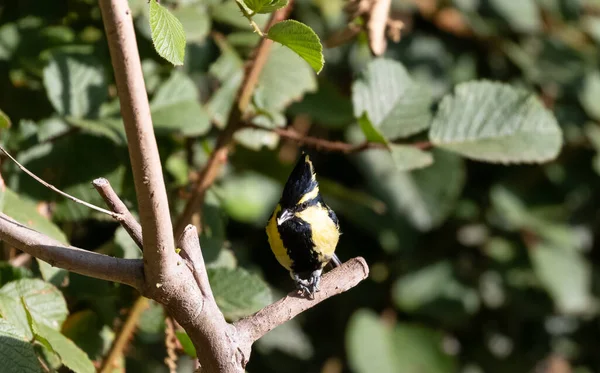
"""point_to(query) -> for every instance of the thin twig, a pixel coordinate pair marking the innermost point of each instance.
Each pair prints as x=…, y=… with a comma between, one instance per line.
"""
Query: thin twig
x=52, y=187
x=115, y=204
x=84, y=262
x=219, y=155
x=333, y=146
x=124, y=336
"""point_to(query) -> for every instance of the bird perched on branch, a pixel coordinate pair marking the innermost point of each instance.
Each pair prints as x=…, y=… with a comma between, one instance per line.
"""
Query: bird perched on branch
x=303, y=231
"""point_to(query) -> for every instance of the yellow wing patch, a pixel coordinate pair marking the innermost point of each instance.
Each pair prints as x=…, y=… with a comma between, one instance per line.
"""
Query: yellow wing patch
x=325, y=234
x=276, y=243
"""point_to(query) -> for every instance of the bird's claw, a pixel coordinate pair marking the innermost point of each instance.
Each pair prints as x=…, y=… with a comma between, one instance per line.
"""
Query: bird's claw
x=309, y=286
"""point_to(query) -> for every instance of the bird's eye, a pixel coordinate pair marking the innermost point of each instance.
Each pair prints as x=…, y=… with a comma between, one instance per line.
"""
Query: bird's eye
x=304, y=205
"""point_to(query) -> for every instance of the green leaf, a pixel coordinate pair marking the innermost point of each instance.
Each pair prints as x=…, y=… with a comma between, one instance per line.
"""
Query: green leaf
x=249, y=197
x=283, y=80
x=301, y=39
x=71, y=356
x=75, y=84
x=408, y=158
x=176, y=107
x=4, y=120
x=288, y=338
x=373, y=346
x=372, y=133
x=495, y=122
x=195, y=21
x=25, y=212
x=167, y=34
x=423, y=286
x=86, y=330
x=565, y=274
x=238, y=292
x=186, y=343
x=16, y=353
x=590, y=93
x=522, y=16
x=265, y=6
x=397, y=105
x=369, y=344
x=44, y=301
x=418, y=195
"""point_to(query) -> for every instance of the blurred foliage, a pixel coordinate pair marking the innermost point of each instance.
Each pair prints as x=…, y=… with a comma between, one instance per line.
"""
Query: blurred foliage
x=475, y=267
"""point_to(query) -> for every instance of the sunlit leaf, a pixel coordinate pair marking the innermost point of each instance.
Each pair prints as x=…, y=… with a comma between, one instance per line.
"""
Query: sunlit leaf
x=495, y=122
x=301, y=39
x=167, y=34
x=16, y=352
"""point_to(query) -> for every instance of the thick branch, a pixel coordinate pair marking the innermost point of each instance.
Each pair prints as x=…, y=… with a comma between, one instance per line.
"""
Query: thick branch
x=116, y=205
x=234, y=122
x=159, y=253
x=88, y=263
x=334, y=282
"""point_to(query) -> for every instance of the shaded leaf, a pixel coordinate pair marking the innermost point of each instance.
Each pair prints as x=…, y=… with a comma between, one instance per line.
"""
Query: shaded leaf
x=45, y=303
x=588, y=96
x=522, y=16
x=76, y=84
x=195, y=21
x=167, y=34
x=176, y=107
x=396, y=105
x=4, y=120
x=301, y=39
x=495, y=122
x=16, y=353
x=238, y=292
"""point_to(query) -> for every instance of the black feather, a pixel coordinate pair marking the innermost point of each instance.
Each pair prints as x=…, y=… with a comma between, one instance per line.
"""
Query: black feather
x=300, y=182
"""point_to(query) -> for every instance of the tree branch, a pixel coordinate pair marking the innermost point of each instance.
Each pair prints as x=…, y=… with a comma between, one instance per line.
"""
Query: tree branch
x=334, y=282
x=332, y=146
x=192, y=254
x=234, y=122
x=115, y=204
x=159, y=253
x=88, y=263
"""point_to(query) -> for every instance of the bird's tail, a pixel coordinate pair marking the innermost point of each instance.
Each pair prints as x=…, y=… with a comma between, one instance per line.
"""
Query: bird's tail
x=335, y=261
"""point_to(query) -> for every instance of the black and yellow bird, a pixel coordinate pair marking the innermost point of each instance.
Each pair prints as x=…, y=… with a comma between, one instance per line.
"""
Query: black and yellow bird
x=303, y=231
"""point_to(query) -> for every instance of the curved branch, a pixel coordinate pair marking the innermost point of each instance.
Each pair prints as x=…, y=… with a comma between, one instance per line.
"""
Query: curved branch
x=334, y=282
x=88, y=263
x=219, y=155
x=155, y=217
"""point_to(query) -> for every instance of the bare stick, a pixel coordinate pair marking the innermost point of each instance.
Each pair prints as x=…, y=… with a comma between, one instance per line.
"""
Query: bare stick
x=115, y=204
x=88, y=263
x=333, y=146
x=52, y=187
x=334, y=282
x=234, y=122
x=192, y=254
x=155, y=217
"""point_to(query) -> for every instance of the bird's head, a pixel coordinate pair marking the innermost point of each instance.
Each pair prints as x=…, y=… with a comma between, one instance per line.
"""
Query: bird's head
x=300, y=191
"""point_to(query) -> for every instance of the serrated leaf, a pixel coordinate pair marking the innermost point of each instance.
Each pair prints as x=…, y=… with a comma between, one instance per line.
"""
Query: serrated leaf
x=16, y=353
x=395, y=104
x=75, y=84
x=4, y=120
x=176, y=107
x=238, y=292
x=45, y=303
x=495, y=122
x=301, y=39
x=70, y=355
x=167, y=34
x=265, y=6
x=565, y=274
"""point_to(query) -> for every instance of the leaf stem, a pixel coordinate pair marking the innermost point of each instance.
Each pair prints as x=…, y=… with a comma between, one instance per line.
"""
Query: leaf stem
x=249, y=16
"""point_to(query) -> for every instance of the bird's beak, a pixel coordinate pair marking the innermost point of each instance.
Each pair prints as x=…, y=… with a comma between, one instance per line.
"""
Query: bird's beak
x=285, y=215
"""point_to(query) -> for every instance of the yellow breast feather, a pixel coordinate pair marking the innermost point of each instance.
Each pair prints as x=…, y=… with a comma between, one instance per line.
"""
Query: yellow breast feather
x=325, y=234
x=276, y=243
